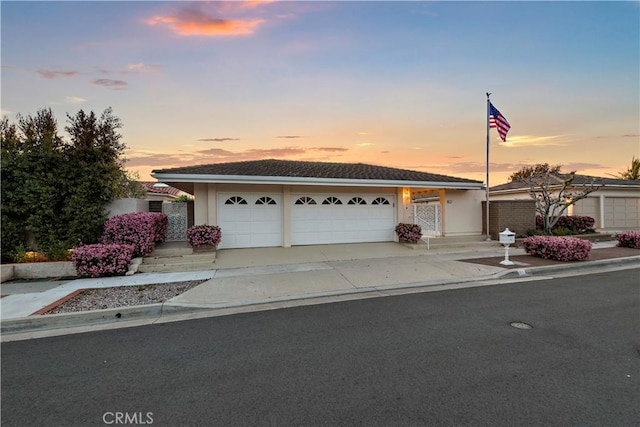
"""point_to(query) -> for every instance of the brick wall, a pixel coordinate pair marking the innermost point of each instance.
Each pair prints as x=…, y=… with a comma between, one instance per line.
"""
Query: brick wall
x=516, y=215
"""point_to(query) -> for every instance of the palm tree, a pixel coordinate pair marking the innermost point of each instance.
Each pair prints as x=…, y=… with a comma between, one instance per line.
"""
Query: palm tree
x=633, y=172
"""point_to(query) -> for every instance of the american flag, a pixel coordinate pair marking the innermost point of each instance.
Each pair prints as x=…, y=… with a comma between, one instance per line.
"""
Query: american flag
x=497, y=120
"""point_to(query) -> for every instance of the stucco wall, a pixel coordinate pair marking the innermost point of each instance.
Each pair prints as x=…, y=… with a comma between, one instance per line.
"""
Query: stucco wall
x=128, y=205
x=461, y=216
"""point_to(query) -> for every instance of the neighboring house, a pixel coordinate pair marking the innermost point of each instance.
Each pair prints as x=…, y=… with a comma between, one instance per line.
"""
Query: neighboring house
x=158, y=191
x=285, y=203
x=614, y=206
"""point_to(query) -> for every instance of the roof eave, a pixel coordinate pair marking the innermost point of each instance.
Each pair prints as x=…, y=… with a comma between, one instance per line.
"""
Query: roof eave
x=285, y=180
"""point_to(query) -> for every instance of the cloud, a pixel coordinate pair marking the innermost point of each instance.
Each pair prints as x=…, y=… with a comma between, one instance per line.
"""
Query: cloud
x=192, y=21
x=215, y=155
x=141, y=66
x=532, y=141
x=330, y=149
x=289, y=136
x=218, y=139
x=74, y=100
x=365, y=144
x=51, y=74
x=111, y=84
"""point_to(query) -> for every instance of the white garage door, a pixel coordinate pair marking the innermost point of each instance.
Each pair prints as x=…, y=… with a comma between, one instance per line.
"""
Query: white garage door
x=622, y=212
x=250, y=220
x=341, y=218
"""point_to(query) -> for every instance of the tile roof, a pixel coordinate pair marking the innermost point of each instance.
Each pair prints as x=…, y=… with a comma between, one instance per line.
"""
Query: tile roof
x=291, y=168
x=153, y=187
x=577, y=181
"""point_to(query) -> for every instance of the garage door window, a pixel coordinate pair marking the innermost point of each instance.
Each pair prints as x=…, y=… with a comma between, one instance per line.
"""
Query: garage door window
x=357, y=201
x=265, y=201
x=332, y=201
x=235, y=200
x=304, y=200
x=380, y=201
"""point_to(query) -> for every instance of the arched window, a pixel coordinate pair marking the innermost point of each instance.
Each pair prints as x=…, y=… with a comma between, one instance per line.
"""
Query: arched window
x=380, y=201
x=266, y=200
x=235, y=200
x=304, y=200
x=357, y=201
x=332, y=201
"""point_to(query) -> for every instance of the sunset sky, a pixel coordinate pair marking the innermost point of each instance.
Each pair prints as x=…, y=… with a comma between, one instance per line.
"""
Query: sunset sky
x=398, y=84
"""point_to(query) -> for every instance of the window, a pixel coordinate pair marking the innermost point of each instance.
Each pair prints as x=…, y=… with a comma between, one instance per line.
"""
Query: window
x=357, y=201
x=332, y=201
x=266, y=200
x=235, y=200
x=380, y=201
x=304, y=200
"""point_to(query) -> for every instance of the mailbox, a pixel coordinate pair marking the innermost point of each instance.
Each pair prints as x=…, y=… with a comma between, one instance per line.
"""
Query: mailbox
x=507, y=237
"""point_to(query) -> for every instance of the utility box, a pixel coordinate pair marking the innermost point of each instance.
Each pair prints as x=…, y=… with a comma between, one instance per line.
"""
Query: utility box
x=507, y=237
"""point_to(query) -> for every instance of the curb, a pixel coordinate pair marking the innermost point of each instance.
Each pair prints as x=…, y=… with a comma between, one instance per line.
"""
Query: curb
x=550, y=269
x=146, y=312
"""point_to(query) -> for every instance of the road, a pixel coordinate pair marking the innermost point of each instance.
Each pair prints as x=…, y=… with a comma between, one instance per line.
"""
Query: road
x=438, y=358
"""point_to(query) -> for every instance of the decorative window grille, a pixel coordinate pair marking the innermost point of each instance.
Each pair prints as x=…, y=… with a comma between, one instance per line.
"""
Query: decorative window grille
x=357, y=201
x=332, y=201
x=305, y=200
x=235, y=200
x=380, y=201
x=266, y=200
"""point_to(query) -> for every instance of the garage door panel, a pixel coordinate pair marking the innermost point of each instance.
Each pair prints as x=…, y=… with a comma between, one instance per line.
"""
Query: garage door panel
x=621, y=212
x=341, y=223
x=256, y=223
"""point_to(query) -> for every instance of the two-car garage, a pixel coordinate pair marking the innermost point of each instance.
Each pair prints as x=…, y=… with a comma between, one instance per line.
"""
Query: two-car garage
x=257, y=219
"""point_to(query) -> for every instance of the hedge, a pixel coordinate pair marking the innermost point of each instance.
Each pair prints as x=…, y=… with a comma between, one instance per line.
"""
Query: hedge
x=142, y=230
x=629, y=239
x=102, y=260
x=574, y=223
x=557, y=248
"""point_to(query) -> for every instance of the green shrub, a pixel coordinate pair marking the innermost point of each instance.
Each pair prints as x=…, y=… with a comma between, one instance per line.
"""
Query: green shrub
x=562, y=231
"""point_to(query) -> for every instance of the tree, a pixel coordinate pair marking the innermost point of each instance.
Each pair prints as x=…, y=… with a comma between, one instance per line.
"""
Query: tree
x=633, y=172
x=95, y=171
x=54, y=193
x=32, y=189
x=529, y=171
x=554, y=192
x=129, y=186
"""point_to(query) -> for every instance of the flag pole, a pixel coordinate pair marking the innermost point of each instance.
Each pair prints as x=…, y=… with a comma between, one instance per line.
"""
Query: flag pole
x=487, y=177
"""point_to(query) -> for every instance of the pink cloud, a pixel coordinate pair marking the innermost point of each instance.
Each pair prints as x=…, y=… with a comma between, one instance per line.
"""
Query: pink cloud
x=192, y=21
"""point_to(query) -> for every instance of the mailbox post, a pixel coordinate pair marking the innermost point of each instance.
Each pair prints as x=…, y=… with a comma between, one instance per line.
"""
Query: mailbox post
x=507, y=237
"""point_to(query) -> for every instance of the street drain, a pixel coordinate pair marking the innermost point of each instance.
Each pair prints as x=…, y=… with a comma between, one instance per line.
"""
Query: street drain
x=521, y=325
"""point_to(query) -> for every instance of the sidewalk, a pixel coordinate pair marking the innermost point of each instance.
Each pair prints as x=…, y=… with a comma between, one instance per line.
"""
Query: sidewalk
x=246, y=279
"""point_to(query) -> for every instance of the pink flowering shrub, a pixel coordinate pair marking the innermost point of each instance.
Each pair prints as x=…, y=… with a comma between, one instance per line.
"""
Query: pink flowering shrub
x=557, y=247
x=162, y=222
x=142, y=230
x=629, y=239
x=200, y=235
x=409, y=232
x=102, y=260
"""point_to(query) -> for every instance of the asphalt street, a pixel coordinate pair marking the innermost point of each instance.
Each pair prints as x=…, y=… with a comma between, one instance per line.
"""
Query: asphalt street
x=438, y=358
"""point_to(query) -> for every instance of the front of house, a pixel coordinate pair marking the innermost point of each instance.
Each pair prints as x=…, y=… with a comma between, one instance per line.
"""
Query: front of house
x=287, y=203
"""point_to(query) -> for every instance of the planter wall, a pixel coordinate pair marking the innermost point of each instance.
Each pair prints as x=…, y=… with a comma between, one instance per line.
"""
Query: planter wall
x=40, y=270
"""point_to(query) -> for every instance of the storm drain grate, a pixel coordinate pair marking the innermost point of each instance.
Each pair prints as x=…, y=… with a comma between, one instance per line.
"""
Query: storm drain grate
x=521, y=325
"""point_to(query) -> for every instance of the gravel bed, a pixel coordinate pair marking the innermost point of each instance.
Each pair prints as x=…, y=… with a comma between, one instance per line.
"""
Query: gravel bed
x=123, y=296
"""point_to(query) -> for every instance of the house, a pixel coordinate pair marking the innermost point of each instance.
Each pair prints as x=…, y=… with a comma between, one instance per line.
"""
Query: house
x=158, y=191
x=284, y=203
x=615, y=206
